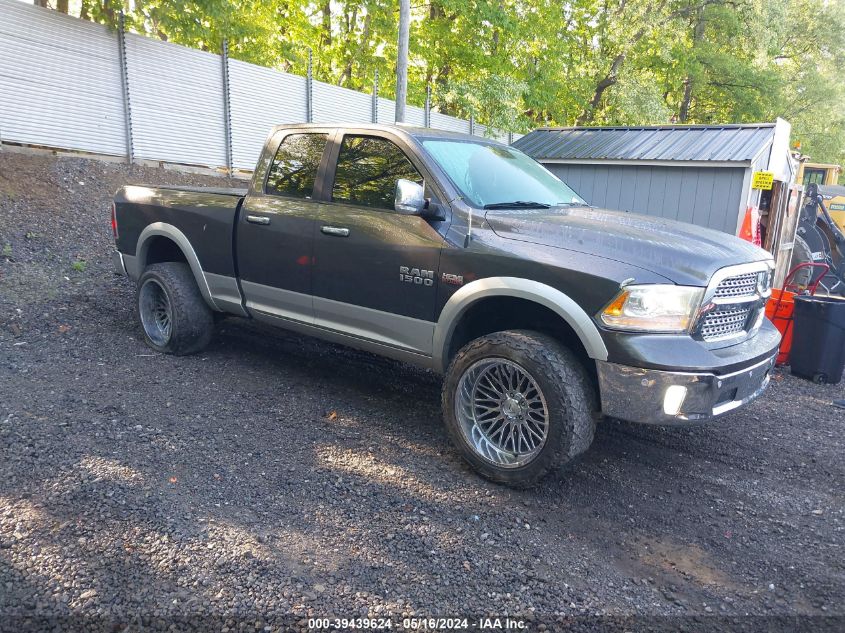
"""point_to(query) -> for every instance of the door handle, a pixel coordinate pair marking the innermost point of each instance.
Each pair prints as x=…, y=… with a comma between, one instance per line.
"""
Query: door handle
x=335, y=230
x=257, y=219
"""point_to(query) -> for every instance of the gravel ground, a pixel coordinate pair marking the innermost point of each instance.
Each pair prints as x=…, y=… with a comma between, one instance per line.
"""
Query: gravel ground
x=275, y=478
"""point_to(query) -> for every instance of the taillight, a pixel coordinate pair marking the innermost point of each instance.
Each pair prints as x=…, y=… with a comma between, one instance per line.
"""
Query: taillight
x=114, y=221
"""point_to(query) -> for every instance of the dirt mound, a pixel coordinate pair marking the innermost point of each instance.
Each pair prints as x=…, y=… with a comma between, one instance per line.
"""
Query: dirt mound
x=55, y=231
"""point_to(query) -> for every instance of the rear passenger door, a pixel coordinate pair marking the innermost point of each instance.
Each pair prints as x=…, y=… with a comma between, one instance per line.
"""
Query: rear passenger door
x=375, y=270
x=275, y=232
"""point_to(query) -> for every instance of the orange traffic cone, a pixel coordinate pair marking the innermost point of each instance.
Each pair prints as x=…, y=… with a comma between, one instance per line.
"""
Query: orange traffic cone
x=750, y=230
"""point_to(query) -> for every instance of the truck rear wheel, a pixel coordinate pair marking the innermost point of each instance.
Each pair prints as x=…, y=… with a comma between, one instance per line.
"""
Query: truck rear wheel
x=518, y=405
x=174, y=317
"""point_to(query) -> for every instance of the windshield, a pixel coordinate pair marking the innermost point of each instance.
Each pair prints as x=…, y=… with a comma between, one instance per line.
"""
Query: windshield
x=498, y=175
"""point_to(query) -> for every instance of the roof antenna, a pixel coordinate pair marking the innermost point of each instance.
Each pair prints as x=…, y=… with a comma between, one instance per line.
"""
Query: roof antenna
x=469, y=229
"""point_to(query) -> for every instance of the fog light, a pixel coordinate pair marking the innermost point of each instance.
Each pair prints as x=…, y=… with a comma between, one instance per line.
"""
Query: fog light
x=673, y=399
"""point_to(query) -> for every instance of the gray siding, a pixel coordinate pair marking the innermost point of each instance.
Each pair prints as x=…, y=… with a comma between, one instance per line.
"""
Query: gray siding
x=706, y=196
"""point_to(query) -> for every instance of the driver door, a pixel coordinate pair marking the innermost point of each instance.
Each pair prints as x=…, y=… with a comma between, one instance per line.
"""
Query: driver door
x=375, y=270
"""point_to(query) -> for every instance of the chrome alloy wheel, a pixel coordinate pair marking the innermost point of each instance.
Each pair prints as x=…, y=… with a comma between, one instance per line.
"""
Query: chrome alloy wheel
x=502, y=412
x=156, y=312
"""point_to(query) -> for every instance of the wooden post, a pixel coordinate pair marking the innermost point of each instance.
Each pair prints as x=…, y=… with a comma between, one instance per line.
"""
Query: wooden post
x=402, y=59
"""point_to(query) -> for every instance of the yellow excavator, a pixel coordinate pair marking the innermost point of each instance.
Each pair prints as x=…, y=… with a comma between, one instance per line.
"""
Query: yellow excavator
x=820, y=235
x=826, y=176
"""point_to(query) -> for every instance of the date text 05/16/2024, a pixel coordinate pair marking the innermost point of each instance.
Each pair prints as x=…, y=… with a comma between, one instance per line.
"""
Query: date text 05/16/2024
x=417, y=624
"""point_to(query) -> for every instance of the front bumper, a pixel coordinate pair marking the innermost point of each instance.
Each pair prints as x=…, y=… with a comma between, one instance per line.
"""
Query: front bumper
x=644, y=395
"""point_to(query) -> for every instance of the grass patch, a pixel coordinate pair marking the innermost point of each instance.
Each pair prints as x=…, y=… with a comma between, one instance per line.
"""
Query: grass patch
x=79, y=265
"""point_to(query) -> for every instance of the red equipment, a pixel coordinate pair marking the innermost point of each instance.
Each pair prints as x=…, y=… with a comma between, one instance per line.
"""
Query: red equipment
x=781, y=304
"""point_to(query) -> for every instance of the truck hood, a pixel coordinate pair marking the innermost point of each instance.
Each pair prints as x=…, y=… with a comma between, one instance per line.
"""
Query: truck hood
x=684, y=253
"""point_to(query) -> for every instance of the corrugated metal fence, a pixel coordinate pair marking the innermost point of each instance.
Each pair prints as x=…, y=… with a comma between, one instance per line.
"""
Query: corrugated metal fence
x=72, y=84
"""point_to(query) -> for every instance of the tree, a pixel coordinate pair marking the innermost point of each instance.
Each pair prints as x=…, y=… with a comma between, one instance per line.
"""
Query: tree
x=516, y=64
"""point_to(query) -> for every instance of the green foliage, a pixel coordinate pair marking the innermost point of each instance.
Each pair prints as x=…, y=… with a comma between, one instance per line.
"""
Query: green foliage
x=810, y=67
x=79, y=265
x=495, y=100
x=516, y=64
x=636, y=100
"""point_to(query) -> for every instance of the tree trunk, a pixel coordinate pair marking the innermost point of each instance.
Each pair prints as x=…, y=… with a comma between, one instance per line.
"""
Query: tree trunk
x=61, y=6
x=402, y=59
x=327, y=23
x=436, y=75
x=609, y=79
x=612, y=75
x=698, y=34
x=110, y=13
x=496, y=35
x=683, y=112
x=346, y=75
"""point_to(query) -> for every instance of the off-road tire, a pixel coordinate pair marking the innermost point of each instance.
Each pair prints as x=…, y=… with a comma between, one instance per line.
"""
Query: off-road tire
x=191, y=322
x=569, y=393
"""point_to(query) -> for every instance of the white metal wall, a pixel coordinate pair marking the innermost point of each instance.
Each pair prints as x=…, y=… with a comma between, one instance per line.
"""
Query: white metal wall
x=261, y=98
x=333, y=104
x=59, y=81
x=446, y=122
x=414, y=115
x=177, y=106
x=386, y=110
x=61, y=86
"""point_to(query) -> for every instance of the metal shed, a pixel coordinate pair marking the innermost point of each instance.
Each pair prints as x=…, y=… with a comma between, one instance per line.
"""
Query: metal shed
x=694, y=173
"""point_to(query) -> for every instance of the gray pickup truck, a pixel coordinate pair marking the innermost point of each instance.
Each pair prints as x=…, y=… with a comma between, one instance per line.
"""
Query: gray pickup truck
x=465, y=256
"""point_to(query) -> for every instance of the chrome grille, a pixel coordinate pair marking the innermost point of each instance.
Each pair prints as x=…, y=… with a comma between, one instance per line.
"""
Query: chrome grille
x=739, y=286
x=724, y=322
x=735, y=304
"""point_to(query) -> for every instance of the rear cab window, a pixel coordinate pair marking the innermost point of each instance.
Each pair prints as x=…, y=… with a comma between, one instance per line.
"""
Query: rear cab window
x=295, y=165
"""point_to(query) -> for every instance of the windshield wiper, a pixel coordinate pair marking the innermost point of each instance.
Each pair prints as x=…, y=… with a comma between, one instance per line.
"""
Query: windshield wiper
x=518, y=204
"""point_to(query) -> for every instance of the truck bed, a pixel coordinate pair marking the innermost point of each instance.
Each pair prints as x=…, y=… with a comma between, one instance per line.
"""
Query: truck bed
x=238, y=192
x=205, y=215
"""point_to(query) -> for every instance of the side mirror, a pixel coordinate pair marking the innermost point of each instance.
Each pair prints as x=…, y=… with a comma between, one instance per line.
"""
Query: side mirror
x=410, y=198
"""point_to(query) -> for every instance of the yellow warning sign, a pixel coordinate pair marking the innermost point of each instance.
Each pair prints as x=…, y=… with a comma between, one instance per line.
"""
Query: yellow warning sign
x=762, y=180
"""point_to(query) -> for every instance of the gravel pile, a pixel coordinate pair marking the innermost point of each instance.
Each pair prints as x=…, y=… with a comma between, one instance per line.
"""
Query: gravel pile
x=275, y=478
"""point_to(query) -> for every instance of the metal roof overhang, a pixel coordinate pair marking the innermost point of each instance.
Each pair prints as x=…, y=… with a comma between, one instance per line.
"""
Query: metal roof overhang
x=717, y=143
x=740, y=164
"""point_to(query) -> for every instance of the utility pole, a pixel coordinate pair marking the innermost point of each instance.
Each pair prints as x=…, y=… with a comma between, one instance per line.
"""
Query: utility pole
x=402, y=59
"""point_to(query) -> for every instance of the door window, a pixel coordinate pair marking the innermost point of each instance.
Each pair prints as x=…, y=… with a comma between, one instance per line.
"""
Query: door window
x=367, y=170
x=813, y=175
x=294, y=168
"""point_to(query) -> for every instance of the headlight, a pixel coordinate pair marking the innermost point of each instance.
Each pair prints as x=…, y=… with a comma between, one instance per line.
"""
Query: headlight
x=653, y=308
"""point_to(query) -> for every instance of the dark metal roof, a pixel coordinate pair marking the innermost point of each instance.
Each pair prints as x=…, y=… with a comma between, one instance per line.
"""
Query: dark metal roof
x=729, y=143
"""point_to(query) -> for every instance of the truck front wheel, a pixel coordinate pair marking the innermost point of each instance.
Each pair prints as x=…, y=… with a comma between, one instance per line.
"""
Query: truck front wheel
x=518, y=405
x=174, y=317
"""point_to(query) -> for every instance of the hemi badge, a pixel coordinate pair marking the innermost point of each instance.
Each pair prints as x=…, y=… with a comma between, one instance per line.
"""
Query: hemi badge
x=455, y=280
